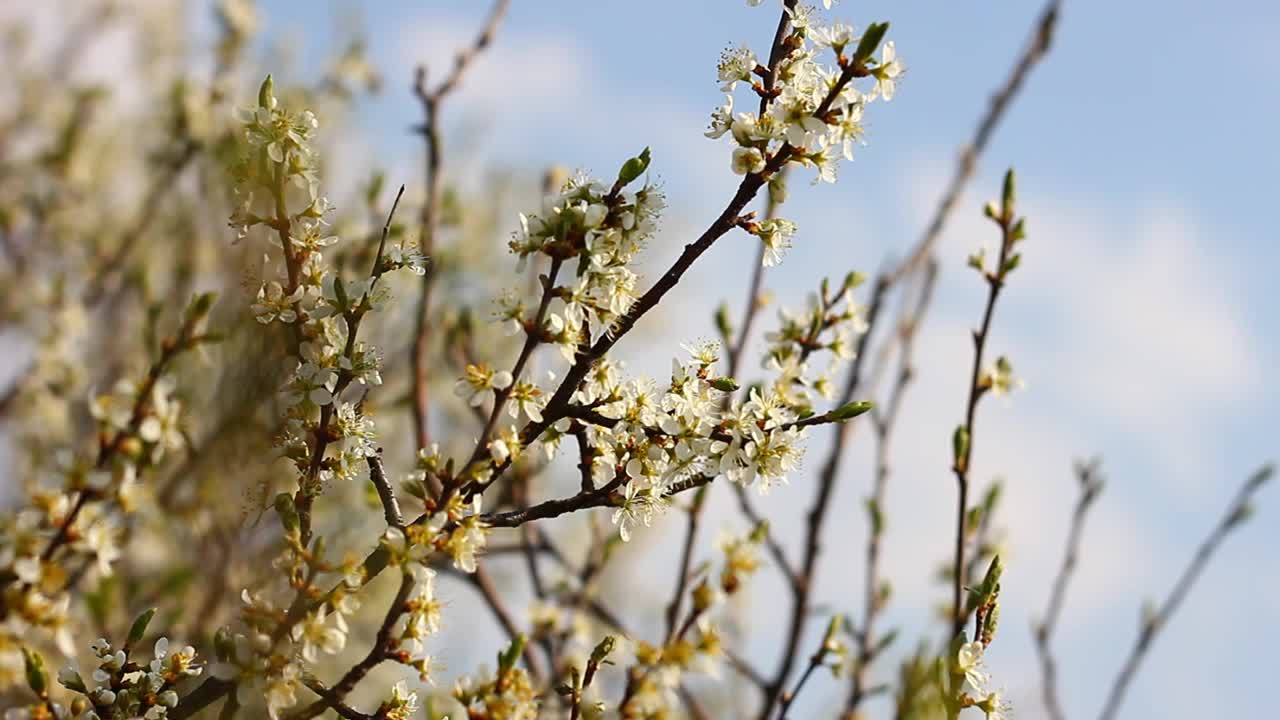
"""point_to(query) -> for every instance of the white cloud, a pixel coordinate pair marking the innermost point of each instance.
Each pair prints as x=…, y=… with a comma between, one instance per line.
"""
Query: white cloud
x=519, y=72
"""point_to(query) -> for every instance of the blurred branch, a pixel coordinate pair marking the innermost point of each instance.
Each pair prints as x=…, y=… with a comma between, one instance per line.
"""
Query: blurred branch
x=1238, y=511
x=868, y=646
x=430, y=219
x=818, y=512
x=1090, y=479
x=1036, y=49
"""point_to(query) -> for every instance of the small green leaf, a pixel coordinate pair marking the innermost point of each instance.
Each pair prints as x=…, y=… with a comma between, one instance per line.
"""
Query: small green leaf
x=37, y=678
x=602, y=649
x=139, y=628
x=1009, y=194
x=851, y=410
x=288, y=514
x=875, y=516
x=266, y=94
x=507, y=659
x=885, y=641
x=723, y=324
x=725, y=384
x=870, y=41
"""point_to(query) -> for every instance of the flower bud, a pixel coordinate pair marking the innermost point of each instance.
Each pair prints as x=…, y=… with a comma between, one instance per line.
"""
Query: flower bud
x=634, y=168
x=266, y=94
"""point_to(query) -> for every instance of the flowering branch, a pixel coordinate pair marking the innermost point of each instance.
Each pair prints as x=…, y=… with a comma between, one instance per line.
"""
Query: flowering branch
x=981, y=380
x=1238, y=511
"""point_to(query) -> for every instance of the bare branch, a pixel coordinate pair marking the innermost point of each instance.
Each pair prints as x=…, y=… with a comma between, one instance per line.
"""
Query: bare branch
x=1090, y=487
x=430, y=130
x=1237, y=512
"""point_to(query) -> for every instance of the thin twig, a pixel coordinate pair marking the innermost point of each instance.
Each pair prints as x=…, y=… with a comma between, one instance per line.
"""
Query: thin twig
x=387, y=494
x=430, y=130
x=868, y=646
x=333, y=701
x=1237, y=512
x=977, y=389
x=817, y=514
x=381, y=646
x=1037, y=47
x=1090, y=487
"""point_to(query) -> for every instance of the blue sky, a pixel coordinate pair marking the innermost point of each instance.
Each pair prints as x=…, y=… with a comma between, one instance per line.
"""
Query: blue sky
x=1143, y=317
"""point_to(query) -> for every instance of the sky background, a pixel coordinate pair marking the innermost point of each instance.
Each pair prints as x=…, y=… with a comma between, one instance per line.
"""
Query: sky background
x=1143, y=316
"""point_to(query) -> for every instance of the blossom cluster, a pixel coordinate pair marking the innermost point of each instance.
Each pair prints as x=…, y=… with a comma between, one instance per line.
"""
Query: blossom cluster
x=72, y=526
x=128, y=689
x=696, y=646
x=809, y=113
x=603, y=229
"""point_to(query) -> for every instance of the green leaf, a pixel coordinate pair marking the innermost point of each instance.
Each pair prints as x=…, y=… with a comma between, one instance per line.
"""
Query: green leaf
x=723, y=324
x=725, y=384
x=266, y=93
x=37, y=678
x=851, y=410
x=602, y=649
x=507, y=659
x=870, y=41
x=139, y=628
x=1009, y=194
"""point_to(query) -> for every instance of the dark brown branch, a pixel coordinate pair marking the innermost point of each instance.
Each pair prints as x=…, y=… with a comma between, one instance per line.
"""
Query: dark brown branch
x=334, y=702
x=305, y=496
x=387, y=494
x=1237, y=512
x=1090, y=487
x=382, y=645
x=815, y=662
x=602, y=497
x=531, y=341
x=686, y=561
x=205, y=694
